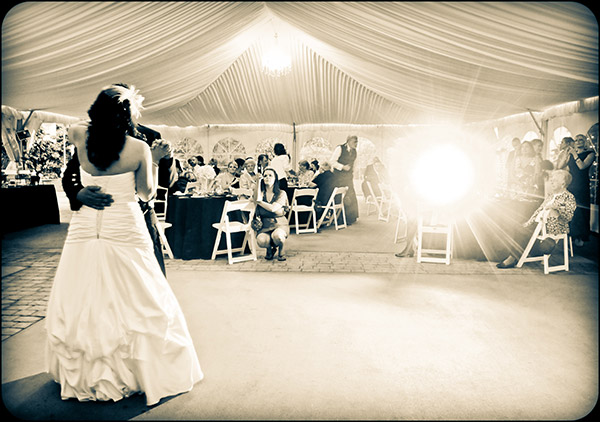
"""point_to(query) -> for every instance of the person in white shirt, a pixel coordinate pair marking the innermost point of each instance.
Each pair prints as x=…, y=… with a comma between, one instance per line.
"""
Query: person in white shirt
x=281, y=164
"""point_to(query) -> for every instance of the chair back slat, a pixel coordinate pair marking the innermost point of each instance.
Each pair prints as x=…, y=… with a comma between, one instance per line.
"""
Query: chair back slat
x=160, y=203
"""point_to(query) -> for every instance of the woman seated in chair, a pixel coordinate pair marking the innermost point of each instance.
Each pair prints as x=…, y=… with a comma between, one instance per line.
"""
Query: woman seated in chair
x=305, y=174
x=325, y=181
x=560, y=206
x=248, y=180
x=272, y=204
x=225, y=179
x=374, y=174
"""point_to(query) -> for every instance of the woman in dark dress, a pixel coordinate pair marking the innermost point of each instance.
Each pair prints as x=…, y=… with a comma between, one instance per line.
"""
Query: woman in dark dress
x=578, y=162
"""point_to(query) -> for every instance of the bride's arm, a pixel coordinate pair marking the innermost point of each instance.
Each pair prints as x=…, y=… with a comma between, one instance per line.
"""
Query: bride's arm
x=146, y=176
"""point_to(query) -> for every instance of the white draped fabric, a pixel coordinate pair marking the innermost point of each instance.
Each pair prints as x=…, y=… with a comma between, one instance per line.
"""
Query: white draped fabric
x=352, y=62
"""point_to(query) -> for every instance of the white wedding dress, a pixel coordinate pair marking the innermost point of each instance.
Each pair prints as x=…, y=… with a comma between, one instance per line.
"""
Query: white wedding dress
x=114, y=325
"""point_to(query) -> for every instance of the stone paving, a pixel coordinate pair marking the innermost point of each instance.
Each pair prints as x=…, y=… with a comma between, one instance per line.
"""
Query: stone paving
x=27, y=274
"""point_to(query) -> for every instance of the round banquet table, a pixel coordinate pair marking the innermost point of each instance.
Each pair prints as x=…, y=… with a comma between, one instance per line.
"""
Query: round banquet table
x=191, y=235
x=29, y=206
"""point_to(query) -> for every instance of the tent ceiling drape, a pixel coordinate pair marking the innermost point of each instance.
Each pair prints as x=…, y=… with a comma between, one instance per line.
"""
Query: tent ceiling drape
x=352, y=62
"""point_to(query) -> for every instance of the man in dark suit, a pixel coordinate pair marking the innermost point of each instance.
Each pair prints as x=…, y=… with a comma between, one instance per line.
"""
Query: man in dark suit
x=342, y=161
x=93, y=197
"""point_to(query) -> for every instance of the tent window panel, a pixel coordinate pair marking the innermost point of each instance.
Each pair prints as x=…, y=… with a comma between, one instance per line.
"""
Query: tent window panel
x=266, y=146
x=186, y=148
x=227, y=150
x=316, y=148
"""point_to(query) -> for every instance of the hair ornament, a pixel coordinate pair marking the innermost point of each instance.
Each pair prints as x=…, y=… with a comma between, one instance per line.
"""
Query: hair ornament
x=135, y=99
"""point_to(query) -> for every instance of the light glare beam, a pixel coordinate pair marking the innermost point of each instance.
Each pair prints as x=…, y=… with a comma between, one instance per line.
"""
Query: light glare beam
x=443, y=175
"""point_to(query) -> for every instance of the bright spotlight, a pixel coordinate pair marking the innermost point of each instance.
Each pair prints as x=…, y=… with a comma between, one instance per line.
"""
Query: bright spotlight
x=442, y=175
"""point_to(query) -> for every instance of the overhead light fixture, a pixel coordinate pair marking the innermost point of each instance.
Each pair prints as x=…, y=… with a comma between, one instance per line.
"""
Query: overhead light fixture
x=276, y=62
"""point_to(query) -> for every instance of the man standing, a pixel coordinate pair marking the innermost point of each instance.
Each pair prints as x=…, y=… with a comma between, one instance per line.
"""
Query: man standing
x=343, y=159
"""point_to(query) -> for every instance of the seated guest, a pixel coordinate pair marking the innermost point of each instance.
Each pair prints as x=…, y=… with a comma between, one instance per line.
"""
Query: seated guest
x=204, y=174
x=314, y=166
x=326, y=184
x=374, y=174
x=182, y=180
x=305, y=174
x=272, y=204
x=224, y=180
x=202, y=170
x=213, y=163
x=248, y=179
x=559, y=207
x=240, y=162
x=263, y=163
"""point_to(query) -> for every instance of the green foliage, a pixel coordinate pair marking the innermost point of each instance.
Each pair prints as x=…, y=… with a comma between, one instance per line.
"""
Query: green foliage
x=45, y=156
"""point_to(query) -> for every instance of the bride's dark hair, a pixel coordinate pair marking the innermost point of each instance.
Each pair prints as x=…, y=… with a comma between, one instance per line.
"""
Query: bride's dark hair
x=110, y=123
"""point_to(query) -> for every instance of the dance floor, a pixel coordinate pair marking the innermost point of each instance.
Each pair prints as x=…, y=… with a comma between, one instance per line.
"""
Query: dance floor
x=441, y=342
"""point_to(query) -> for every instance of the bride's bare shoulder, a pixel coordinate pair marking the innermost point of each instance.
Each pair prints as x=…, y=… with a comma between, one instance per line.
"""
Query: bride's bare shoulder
x=78, y=131
x=136, y=144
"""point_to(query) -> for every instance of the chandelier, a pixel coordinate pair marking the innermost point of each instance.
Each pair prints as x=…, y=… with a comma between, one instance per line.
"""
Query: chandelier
x=276, y=62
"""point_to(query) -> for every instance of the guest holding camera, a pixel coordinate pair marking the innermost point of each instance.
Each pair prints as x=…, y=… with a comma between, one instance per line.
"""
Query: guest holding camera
x=578, y=158
x=271, y=208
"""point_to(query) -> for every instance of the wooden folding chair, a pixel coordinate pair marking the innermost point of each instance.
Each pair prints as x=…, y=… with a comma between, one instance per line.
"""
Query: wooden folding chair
x=540, y=234
x=227, y=227
x=333, y=209
x=160, y=209
x=434, y=226
x=372, y=199
x=310, y=195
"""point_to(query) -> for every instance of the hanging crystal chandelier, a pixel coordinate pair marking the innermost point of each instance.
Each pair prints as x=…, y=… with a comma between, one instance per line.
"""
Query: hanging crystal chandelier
x=276, y=62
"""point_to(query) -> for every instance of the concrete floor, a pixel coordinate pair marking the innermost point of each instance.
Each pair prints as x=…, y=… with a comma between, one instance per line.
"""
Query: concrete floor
x=328, y=335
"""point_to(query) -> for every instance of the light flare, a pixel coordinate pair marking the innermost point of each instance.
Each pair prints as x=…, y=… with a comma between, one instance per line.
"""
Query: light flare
x=443, y=175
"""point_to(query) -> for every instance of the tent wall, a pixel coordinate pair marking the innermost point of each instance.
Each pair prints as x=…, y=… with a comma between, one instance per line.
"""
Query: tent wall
x=202, y=140
x=577, y=117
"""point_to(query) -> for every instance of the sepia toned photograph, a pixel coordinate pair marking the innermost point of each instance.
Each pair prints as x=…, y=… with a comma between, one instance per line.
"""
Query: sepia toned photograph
x=316, y=210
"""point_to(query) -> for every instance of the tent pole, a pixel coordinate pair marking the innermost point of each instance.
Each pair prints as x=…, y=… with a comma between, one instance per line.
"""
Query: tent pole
x=540, y=130
x=295, y=148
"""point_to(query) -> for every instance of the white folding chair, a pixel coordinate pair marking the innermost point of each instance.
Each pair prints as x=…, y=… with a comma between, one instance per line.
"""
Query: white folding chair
x=333, y=209
x=226, y=226
x=372, y=199
x=310, y=195
x=402, y=218
x=386, y=202
x=160, y=209
x=540, y=233
x=436, y=227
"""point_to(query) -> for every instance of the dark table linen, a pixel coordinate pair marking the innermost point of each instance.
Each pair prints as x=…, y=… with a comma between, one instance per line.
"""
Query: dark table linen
x=29, y=206
x=487, y=232
x=192, y=235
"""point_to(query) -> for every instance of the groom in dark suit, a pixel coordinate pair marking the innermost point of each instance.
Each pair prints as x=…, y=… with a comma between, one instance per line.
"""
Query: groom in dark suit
x=93, y=197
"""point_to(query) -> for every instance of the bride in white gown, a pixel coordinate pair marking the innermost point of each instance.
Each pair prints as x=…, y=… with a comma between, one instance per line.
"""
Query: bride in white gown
x=114, y=325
